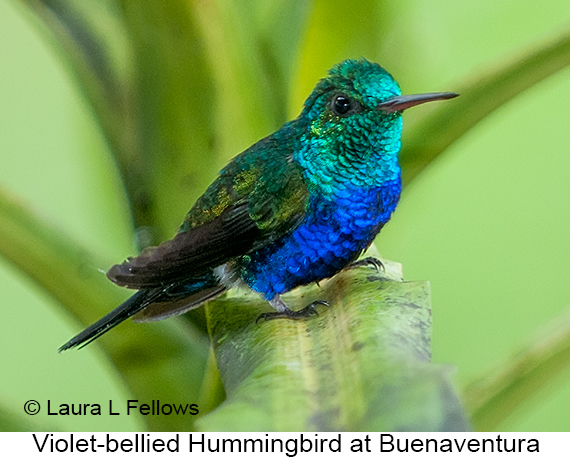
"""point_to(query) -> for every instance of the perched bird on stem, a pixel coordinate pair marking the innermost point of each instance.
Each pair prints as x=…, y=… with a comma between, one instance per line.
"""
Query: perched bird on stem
x=296, y=207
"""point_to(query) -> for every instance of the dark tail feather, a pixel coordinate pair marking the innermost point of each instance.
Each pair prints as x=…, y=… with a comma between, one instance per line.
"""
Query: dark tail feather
x=176, y=304
x=132, y=305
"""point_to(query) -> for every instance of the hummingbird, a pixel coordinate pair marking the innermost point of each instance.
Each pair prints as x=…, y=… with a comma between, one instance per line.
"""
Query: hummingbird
x=298, y=206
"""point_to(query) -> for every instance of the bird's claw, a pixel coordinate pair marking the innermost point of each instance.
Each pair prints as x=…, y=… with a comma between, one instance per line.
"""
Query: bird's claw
x=368, y=262
x=307, y=311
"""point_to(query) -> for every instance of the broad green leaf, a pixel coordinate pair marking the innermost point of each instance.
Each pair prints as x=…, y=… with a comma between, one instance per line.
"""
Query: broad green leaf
x=165, y=361
x=425, y=140
x=362, y=365
x=501, y=392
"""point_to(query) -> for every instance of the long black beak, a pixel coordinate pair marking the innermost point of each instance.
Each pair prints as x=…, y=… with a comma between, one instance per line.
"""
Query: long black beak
x=402, y=102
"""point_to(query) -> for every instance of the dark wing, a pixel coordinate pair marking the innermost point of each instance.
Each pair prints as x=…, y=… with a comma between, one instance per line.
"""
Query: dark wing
x=191, y=252
x=257, y=198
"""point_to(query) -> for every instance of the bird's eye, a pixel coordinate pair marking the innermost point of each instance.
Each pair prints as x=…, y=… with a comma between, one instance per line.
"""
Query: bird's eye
x=341, y=105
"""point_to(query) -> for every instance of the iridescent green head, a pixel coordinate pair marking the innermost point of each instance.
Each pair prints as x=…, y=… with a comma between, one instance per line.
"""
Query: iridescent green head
x=352, y=126
x=363, y=84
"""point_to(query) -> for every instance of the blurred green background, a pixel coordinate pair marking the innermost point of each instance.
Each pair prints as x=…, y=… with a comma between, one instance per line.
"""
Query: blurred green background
x=488, y=224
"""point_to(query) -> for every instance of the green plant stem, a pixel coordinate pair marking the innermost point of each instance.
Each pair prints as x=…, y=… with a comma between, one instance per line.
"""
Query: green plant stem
x=212, y=392
x=163, y=361
x=245, y=104
x=91, y=56
x=335, y=30
x=12, y=421
x=426, y=140
x=96, y=50
x=498, y=394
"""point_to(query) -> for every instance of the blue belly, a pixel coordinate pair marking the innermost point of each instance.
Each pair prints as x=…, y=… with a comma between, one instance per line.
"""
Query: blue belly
x=332, y=235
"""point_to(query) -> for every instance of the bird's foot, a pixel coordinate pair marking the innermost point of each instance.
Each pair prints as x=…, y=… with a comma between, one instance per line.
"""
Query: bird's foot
x=307, y=311
x=368, y=262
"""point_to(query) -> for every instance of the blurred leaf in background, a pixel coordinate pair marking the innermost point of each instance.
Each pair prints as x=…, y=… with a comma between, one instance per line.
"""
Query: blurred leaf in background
x=109, y=151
